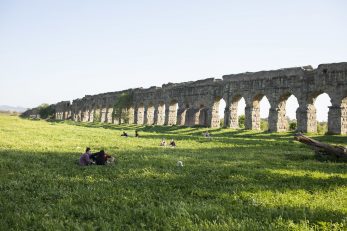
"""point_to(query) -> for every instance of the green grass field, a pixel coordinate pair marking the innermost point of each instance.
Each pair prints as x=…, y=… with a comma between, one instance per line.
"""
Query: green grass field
x=241, y=180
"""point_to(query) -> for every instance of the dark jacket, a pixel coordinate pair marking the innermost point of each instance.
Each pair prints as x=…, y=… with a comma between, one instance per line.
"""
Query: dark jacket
x=100, y=158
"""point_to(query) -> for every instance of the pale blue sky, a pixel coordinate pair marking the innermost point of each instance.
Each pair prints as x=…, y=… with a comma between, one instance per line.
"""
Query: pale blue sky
x=62, y=50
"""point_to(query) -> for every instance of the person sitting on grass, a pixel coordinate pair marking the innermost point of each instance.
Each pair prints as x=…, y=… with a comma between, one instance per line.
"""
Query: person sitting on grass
x=172, y=143
x=207, y=135
x=85, y=158
x=163, y=142
x=102, y=158
x=124, y=134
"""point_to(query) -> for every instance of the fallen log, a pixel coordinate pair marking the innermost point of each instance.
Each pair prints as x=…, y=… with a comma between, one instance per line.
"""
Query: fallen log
x=323, y=151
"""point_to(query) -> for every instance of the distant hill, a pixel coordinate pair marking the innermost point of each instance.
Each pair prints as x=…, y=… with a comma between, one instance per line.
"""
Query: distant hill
x=12, y=109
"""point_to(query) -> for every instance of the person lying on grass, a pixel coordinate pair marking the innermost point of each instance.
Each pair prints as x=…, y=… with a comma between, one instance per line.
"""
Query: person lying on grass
x=103, y=158
x=85, y=158
x=163, y=142
x=172, y=143
x=124, y=134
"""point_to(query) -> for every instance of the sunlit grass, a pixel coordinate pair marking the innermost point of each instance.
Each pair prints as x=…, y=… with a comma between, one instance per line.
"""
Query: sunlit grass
x=240, y=180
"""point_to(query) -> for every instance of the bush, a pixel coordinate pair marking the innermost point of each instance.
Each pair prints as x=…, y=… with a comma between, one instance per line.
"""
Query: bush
x=121, y=108
x=264, y=125
x=242, y=121
x=292, y=125
x=221, y=122
x=46, y=111
x=322, y=127
x=97, y=116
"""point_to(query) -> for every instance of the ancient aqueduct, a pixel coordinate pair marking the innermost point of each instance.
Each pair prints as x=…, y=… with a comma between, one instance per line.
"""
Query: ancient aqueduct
x=197, y=103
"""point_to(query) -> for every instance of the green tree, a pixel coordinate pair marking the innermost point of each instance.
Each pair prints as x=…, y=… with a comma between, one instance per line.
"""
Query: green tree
x=46, y=111
x=242, y=121
x=121, y=107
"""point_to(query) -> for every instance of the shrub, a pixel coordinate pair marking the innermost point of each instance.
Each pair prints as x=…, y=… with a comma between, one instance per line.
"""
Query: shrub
x=292, y=125
x=121, y=108
x=264, y=125
x=322, y=127
x=221, y=122
x=242, y=121
x=46, y=111
x=97, y=116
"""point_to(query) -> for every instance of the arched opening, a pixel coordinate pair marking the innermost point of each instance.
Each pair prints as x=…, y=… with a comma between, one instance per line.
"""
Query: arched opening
x=103, y=114
x=172, y=117
x=130, y=115
x=189, y=115
x=109, y=114
x=322, y=103
x=241, y=107
x=283, y=115
x=181, y=114
x=237, y=112
x=90, y=114
x=291, y=105
x=97, y=114
x=221, y=112
x=140, y=114
x=203, y=116
x=218, y=110
x=150, y=114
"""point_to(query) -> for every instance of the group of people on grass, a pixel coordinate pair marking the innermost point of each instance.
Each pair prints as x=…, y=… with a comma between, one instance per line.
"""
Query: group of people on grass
x=126, y=134
x=102, y=158
x=98, y=158
x=171, y=144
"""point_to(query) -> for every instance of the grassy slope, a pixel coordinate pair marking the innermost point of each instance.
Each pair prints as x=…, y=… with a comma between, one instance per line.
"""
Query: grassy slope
x=241, y=180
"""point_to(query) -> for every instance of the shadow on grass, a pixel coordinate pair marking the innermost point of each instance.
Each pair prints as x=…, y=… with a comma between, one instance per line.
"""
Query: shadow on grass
x=208, y=186
x=197, y=131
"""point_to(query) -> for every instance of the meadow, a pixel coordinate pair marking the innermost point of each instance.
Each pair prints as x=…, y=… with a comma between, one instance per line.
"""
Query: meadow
x=240, y=180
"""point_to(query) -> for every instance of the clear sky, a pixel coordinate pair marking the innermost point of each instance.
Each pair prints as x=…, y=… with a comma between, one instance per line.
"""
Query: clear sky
x=61, y=50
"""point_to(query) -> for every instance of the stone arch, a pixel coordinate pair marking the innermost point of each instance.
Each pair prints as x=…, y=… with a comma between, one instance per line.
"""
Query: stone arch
x=203, y=115
x=322, y=102
x=314, y=118
x=337, y=115
x=190, y=117
x=181, y=113
x=222, y=111
x=307, y=114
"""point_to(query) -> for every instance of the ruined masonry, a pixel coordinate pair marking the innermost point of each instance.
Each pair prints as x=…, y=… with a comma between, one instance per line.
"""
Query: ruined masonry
x=197, y=103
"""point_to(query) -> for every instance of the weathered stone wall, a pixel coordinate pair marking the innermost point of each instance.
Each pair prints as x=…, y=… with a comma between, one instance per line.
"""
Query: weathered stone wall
x=197, y=103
